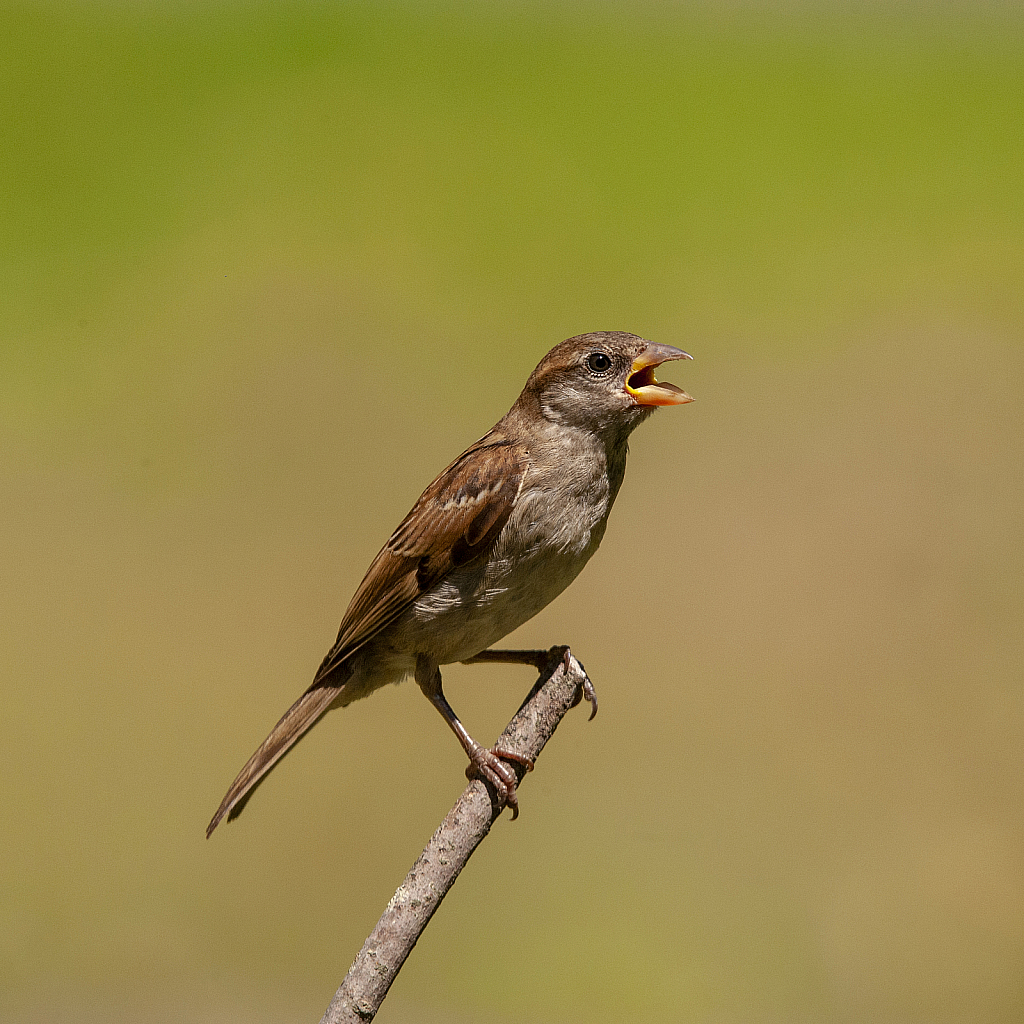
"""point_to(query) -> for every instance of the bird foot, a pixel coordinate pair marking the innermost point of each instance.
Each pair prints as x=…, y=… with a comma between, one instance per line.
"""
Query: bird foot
x=560, y=654
x=586, y=691
x=490, y=764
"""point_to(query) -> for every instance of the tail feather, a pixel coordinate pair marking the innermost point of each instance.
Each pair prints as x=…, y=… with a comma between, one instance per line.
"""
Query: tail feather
x=294, y=724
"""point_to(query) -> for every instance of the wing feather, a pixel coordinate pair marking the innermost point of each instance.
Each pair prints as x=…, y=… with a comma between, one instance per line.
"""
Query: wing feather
x=456, y=520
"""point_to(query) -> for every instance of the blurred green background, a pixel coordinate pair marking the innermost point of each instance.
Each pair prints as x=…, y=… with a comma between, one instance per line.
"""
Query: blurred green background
x=267, y=268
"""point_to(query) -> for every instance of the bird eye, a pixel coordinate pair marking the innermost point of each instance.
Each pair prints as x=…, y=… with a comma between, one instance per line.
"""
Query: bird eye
x=598, y=362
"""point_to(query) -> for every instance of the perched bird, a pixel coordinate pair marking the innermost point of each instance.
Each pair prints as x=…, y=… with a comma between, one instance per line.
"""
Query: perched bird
x=497, y=536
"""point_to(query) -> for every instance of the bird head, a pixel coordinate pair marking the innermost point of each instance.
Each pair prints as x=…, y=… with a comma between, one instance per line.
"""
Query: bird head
x=603, y=381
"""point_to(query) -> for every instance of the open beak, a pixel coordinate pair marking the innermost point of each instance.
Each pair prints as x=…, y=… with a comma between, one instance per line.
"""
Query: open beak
x=643, y=387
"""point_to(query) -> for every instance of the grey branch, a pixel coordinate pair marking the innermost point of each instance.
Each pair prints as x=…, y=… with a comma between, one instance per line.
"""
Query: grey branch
x=463, y=829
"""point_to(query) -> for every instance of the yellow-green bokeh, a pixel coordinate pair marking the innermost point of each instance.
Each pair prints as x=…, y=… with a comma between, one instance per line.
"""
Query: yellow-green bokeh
x=267, y=268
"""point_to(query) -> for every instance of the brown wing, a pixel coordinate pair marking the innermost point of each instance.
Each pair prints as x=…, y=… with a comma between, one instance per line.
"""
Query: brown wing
x=456, y=519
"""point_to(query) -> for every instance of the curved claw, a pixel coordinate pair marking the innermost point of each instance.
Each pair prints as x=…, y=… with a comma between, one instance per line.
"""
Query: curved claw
x=591, y=695
x=585, y=691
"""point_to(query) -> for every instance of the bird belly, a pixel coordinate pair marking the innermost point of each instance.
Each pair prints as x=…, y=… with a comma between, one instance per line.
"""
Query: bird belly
x=470, y=611
x=473, y=608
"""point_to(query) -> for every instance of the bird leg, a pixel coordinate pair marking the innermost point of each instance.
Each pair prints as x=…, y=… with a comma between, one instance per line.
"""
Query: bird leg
x=488, y=763
x=544, y=662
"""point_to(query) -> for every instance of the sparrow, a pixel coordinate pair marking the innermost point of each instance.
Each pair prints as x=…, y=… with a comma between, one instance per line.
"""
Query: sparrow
x=500, y=533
